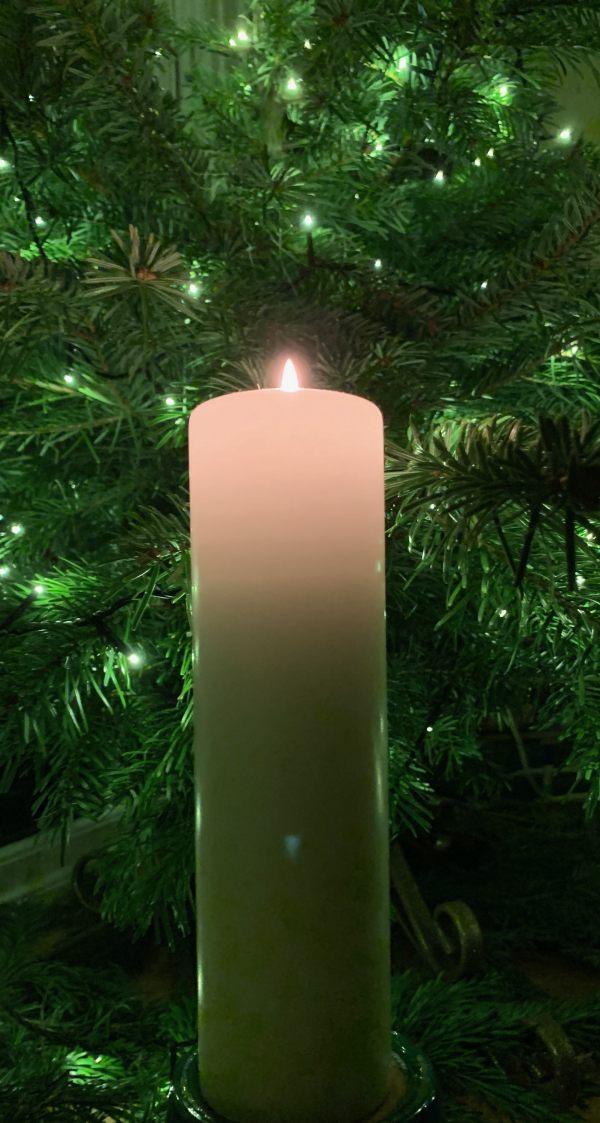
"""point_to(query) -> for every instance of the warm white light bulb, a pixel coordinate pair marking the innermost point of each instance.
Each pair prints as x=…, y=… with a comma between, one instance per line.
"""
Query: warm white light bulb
x=565, y=134
x=17, y=528
x=308, y=220
x=69, y=378
x=430, y=728
x=439, y=177
x=134, y=659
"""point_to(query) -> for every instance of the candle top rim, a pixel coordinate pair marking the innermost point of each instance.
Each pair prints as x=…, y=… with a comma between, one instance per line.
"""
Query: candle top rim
x=297, y=394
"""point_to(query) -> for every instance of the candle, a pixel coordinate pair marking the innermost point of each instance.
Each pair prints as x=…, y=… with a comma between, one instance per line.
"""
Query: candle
x=288, y=610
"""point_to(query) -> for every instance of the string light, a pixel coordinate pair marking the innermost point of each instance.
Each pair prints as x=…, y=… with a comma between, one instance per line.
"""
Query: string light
x=565, y=134
x=439, y=177
x=378, y=146
x=194, y=289
x=232, y=42
x=377, y=264
x=308, y=221
x=17, y=528
x=169, y=401
x=490, y=153
x=307, y=45
x=39, y=589
x=135, y=659
x=503, y=90
x=483, y=285
x=4, y=164
x=4, y=570
x=69, y=378
x=356, y=195
x=243, y=36
x=40, y=221
x=403, y=63
x=430, y=728
x=502, y=612
x=477, y=162
x=580, y=580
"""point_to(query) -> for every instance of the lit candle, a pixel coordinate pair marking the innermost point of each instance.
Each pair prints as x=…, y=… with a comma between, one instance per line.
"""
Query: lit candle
x=288, y=604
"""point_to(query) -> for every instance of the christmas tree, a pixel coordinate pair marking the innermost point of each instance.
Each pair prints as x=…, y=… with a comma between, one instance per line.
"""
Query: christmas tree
x=402, y=192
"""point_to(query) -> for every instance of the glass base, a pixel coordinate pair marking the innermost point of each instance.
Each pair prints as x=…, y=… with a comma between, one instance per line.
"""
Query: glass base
x=412, y=1097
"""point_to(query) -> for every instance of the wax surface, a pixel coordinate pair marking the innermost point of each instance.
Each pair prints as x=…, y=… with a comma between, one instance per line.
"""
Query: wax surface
x=288, y=601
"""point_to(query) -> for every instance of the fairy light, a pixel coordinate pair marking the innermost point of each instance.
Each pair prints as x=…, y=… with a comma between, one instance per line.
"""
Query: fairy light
x=308, y=221
x=430, y=728
x=503, y=90
x=40, y=221
x=194, y=289
x=169, y=401
x=490, y=153
x=243, y=36
x=307, y=45
x=483, y=285
x=17, y=528
x=356, y=195
x=232, y=42
x=580, y=580
x=439, y=177
x=403, y=63
x=134, y=659
x=565, y=134
x=377, y=264
x=477, y=161
x=39, y=589
x=4, y=164
x=502, y=612
x=69, y=379
x=378, y=146
x=4, y=570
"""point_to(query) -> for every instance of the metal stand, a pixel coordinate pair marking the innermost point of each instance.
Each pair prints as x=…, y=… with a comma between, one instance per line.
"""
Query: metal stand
x=412, y=1097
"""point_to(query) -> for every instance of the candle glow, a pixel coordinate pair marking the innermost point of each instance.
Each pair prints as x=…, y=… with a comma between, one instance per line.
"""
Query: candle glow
x=289, y=378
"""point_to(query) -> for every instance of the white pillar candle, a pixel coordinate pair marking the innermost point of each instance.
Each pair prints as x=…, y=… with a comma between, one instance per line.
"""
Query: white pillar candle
x=288, y=603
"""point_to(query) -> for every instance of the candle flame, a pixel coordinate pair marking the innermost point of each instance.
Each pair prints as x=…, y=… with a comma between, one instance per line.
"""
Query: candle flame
x=289, y=378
